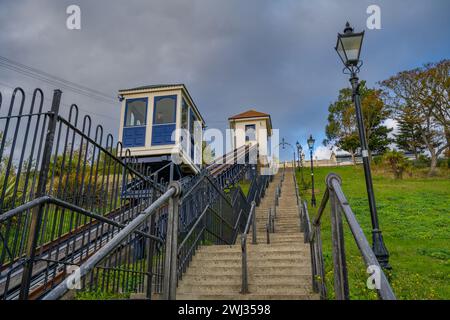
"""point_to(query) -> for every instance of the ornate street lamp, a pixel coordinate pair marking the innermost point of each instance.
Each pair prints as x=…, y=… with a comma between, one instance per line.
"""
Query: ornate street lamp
x=284, y=144
x=348, y=48
x=311, y=142
x=300, y=161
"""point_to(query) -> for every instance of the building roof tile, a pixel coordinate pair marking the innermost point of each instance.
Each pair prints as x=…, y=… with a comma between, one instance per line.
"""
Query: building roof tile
x=249, y=114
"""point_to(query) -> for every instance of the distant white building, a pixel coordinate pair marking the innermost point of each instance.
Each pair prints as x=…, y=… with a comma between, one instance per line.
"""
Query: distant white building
x=251, y=127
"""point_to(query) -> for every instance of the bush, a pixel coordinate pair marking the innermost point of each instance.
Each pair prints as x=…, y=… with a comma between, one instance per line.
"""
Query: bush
x=377, y=160
x=443, y=163
x=422, y=162
x=80, y=190
x=396, y=162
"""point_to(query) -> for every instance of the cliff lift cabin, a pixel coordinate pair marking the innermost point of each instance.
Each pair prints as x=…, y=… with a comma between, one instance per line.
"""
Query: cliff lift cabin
x=148, y=119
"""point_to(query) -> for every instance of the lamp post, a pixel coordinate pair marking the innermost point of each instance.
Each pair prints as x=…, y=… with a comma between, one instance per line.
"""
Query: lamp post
x=300, y=160
x=311, y=142
x=348, y=48
x=284, y=144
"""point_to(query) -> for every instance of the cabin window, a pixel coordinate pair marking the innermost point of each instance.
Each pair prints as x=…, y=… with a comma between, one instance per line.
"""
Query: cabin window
x=136, y=112
x=135, y=122
x=184, y=115
x=250, y=132
x=164, y=118
x=192, y=119
x=184, y=125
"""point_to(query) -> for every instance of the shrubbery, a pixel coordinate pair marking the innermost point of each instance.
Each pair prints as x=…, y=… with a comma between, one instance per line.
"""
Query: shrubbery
x=396, y=162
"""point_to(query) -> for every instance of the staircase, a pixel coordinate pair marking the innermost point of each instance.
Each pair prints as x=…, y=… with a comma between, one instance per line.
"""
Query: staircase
x=279, y=270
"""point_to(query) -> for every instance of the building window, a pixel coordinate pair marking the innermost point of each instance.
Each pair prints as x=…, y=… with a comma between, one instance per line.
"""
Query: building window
x=184, y=125
x=165, y=110
x=250, y=132
x=184, y=115
x=164, y=118
x=136, y=112
x=192, y=119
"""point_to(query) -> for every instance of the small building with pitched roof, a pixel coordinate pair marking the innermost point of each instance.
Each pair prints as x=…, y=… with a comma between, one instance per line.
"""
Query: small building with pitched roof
x=251, y=127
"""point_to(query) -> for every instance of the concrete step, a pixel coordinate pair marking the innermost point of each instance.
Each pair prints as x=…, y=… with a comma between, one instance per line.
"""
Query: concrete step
x=249, y=296
x=271, y=288
x=257, y=280
x=259, y=247
x=271, y=262
x=253, y=269
x=252, y=255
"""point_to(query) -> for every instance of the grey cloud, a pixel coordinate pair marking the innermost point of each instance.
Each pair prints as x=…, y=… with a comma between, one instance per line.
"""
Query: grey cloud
x=276, y=56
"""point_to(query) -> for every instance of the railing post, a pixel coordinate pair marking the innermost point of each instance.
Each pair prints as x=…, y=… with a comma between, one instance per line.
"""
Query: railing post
x=151, y=244
x=320, y=263
x=254, y=223
x=340, y=265
x=37, y=212
x=170, y=262
x=244, y=286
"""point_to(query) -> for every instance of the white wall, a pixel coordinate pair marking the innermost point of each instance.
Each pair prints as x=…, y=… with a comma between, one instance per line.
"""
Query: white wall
x=261, y=134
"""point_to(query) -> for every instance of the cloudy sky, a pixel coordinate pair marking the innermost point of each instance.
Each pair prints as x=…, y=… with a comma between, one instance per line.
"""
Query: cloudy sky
x=233, y=55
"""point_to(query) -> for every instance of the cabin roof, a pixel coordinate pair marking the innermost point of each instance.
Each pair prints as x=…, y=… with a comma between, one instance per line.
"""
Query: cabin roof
x=157, y=87
x=153, y=86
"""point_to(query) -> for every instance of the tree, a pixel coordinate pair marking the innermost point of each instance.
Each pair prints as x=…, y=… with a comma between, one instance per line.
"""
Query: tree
x=422, y=95
x=408, y=137
x=342, y=129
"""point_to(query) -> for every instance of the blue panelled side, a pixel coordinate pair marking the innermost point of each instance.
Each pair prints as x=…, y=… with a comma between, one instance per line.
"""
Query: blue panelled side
x=162, y=134
x=134, y=137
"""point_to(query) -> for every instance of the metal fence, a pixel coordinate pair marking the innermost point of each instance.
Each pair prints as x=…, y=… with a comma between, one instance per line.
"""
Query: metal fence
x=206, y=209
x=65, y=191
x=312, y=234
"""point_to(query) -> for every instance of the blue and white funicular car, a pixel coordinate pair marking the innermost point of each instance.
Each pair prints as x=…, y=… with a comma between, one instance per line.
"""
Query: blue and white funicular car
x=149, y=116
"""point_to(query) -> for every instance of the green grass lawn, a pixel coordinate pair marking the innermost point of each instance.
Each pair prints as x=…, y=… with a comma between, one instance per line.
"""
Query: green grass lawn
x=414, y=216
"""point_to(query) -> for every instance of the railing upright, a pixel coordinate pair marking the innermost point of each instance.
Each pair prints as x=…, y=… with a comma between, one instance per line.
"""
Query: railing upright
x=340, y=265
x=37, y=212
x=244, y=286
x=170, y=263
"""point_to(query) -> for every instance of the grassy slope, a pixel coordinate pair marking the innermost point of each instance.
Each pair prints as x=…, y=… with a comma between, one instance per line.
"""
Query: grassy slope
x=415, y=219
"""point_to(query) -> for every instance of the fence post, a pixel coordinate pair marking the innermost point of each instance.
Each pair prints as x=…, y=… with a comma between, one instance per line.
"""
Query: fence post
x=254, y=223
x=340, y=265
x=151, y=244
x=244, y=285
x=36, y=216
x=170, y=260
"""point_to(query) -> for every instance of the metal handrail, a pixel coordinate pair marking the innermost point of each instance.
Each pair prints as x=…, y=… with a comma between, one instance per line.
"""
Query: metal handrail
x=251, y=219
x=312, y=233
x=270, y=225
x=111, y=245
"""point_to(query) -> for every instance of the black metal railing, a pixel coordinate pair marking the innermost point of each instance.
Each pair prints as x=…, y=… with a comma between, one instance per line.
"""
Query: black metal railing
x=62, y=198
x=198, y=212
x=312, y=233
